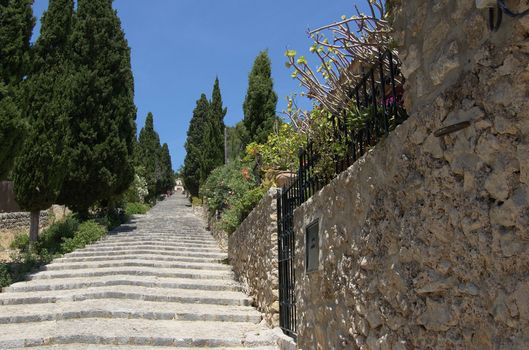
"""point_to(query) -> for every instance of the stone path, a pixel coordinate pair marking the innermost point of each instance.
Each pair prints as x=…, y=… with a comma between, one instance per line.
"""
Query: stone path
x=155, y=283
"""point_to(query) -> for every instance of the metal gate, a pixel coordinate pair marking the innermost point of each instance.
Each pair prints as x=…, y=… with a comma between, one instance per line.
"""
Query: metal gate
x=379, y=93
x=286, y=203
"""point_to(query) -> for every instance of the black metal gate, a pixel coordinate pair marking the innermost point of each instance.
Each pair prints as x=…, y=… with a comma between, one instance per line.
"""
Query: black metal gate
x=380, y=93
x=287, y=276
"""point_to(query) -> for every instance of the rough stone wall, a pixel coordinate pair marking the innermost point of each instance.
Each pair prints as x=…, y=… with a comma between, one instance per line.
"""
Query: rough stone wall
x=253, y=253
x=220, y=236
x=424, y=242
x=20, y=220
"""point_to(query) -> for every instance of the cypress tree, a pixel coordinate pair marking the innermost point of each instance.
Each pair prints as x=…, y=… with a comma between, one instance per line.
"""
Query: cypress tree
x=213, y=150
x=193, y=172
x=149, y=152
x=16, y=26
x=167, y=182
x=102, y=124
x=260, y=102
x=216, y=122
x=39, y=170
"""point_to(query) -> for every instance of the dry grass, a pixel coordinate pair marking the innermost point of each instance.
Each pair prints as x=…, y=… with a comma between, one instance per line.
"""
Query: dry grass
x=6, y=237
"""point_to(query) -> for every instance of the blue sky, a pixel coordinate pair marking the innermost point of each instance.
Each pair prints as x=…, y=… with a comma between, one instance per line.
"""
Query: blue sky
x=180, y=46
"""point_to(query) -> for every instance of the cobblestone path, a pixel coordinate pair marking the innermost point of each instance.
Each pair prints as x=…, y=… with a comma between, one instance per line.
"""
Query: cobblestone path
x=155, y=283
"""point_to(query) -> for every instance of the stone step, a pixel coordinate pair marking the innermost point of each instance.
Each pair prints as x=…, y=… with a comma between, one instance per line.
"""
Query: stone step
x=78, y=346
x=67, y=265
x=78, y=253
x=174, y=234
x=123, y=280
x=117, y=248
x=189, y=296
x=176, y=242
x=133, y=332
x=137, y=271
x=128, y=309
x=151, y=257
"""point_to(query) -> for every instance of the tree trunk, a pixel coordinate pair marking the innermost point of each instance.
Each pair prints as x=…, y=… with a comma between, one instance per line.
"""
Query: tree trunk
x=34, y=226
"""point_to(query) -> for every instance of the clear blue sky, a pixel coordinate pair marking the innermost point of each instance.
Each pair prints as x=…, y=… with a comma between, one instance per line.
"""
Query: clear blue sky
x=180, y=46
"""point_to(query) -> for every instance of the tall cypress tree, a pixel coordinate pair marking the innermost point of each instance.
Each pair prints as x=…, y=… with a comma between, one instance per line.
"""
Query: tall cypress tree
x=102, y=124
x=149, y=153
x=260, y=102
x=39, y=170
x=167, y=182
x=193, y=171
x=213, y=150
x=16, y=26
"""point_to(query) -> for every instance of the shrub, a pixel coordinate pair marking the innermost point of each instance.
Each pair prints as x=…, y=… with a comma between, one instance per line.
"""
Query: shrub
x=236, y=214
x=50, y=240
x=226, y=185
x=280, y=152
x=111, y=217
x=196, y=201
x=136, y=208
x=88, y=232
x=5, y=275
x=20, y=242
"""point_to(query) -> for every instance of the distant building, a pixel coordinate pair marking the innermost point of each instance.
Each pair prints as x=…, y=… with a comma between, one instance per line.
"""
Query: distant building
x=179, y=185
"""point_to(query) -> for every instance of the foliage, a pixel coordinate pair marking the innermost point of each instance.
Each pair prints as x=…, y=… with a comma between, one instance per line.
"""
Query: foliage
x=5, y=275
x=260, y=101
x=88, y=232
x=16, y=26
x=101, y=127
x=205, y=140
x=39, y=169
x=226, y=185
x=213, y=151
x=136, y=208
x=236, y=136
x=166, y=182
x=149, y=154
x=239, y=210
x=138, y=190
x=280, y=152
x=354, y=42
x=192, y=172
x=50, y=239
x=196, y=201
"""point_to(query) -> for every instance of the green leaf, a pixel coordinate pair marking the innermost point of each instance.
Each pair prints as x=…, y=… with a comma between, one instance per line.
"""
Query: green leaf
x=302, y=60
x=290, y=53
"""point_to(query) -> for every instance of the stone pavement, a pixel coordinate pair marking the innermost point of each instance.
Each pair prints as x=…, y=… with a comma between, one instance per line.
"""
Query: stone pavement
x=157, y=282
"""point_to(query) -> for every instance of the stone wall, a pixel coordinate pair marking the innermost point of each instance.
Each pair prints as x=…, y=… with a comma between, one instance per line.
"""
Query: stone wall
x=20, y=220
x=424, y=242
x=220, y=236
x=253, y=254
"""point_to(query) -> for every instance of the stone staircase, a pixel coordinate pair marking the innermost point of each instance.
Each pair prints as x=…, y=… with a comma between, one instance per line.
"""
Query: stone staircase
x=155, y=283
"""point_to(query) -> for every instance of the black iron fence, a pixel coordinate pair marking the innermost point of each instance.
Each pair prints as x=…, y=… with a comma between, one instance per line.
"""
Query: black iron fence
x=379, y=96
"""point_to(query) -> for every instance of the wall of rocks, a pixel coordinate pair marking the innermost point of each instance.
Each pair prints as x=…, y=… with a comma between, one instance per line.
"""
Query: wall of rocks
x=424, y=242
x=20, y=220
x=253, y=252
x=220, y=235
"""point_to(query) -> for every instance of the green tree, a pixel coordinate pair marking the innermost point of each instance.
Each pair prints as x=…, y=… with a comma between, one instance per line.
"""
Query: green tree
x=167, y=181
x=102, y=124
x=39, y=169
x=16, y=26
x=193, y=172
x=149, y=150
x=213, y=150
x=260, y=102
x=236, y=136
